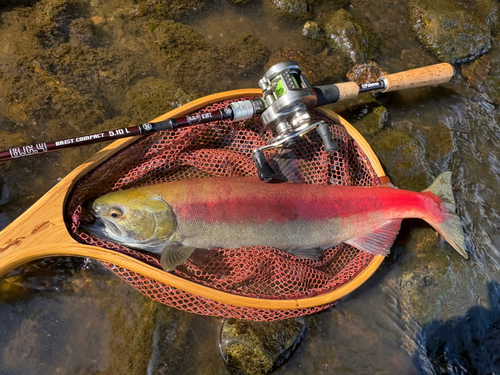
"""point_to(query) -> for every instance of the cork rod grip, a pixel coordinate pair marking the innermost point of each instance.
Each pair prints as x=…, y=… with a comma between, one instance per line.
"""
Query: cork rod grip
x=426, y=76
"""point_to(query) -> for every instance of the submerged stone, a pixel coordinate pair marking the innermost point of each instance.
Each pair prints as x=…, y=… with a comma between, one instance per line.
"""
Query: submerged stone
x=348, y=37
x=403, y=157
x=291, y=8
x=166, y=8
x=258, y=348
x=312, y=30
x=197, y=64
x=152, y=97
x=372, y=123
x=476, y=71
x=451, y=33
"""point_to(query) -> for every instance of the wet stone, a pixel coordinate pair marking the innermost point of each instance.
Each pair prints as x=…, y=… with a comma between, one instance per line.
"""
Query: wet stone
x=403, y=157
x=291, y=8
x=312, y=30
x=165, y=8
x=372, y=123
x=348, y=37
x=428, y=279
x=451, y=33
x=258, y=348
x=152, y=97
x=365, y=73
x=491, y=84
x=476, y=71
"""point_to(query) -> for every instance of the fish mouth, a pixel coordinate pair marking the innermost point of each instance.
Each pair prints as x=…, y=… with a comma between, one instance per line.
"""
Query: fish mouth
x=98, y=226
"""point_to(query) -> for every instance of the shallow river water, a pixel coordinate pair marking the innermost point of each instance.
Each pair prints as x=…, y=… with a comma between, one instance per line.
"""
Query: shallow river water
x=425, y=310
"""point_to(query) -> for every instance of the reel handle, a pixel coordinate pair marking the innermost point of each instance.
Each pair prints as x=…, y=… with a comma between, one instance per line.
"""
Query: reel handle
x=263, y=168
x=426, y=76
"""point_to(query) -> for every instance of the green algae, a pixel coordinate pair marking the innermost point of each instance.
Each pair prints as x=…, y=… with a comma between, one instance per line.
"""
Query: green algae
x=259, y=347
x=153, y=97
x=349, y=36
x=450, y=32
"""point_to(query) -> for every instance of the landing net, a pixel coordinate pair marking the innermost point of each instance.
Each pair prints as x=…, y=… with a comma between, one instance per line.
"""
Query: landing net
x=225, y=149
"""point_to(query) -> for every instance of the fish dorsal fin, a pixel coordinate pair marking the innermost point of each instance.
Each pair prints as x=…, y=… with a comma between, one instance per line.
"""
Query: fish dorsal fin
x=380, y=241
x=174, y=254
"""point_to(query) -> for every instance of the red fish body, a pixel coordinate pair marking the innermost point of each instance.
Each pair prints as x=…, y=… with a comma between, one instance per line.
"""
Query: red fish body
x=233, y=212
x=176, y=217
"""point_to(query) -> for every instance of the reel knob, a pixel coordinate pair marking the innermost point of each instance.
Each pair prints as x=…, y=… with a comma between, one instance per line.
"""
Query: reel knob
x=326, y=136
x=263, y=168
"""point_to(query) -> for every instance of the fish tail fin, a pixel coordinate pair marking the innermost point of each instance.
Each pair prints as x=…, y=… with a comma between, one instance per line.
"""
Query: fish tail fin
x=451, y=227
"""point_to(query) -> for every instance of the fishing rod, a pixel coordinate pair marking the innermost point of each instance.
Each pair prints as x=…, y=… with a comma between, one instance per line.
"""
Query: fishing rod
x=287, y=96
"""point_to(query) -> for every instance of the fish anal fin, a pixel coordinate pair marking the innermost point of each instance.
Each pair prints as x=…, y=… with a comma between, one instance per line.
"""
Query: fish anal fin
x=174, y=254
x=380, y=241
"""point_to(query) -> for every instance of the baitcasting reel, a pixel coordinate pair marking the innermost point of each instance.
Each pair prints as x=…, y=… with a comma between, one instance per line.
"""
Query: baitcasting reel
x=287, y=96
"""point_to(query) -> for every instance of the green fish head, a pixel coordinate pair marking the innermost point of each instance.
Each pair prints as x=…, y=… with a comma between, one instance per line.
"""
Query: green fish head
x=135, y=218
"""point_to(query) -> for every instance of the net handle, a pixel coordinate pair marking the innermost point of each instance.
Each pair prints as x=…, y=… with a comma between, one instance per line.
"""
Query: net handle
x=41, y=231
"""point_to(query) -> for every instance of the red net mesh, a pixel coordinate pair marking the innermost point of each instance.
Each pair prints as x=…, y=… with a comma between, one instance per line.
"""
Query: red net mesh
x=225, y=149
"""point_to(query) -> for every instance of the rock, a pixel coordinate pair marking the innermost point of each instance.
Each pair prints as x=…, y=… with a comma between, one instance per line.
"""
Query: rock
x=372, y=123
x=320, y=69
x=403, y=157
x=484, y=10
x=298, y=9
x=259, y=347
x=476, y=71
x=162, y=9
x=196, y=64
x=451, y=33
x=312, y=30
x=428, y=282
x=365, y=73
x=244, y=54
x=152, y=97
x=9, y=139
x=51, y=19
x=82, y=30
x=491, y=83
x=346, y=36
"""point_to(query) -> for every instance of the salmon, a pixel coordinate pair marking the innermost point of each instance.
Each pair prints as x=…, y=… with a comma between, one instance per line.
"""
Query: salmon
x=174, y=218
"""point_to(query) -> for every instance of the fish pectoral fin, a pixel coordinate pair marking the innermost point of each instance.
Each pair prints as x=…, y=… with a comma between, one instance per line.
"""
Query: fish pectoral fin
x=173, y=255
x=311, y=253
x=380, y=241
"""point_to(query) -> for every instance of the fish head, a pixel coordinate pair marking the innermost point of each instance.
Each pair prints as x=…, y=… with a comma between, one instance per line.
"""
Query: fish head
x=136, y=218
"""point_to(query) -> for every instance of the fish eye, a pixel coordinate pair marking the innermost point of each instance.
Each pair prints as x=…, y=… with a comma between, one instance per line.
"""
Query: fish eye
x=115, y=212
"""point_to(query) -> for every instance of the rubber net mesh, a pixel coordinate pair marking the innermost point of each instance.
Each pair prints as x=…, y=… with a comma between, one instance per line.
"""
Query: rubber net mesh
x=225, y=149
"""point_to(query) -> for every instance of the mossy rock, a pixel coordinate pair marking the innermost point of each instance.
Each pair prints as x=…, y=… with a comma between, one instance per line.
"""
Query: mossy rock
x=372, y=123
x=429, y=279
x=297, y=9
x=450, y=32
x=491, y=85
x=195, y=63
x=348, y=36
x=161, y=9
x=365, y=73
x=258, y=348
x=403, y=157
x=153, y=97
x=312, y=30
